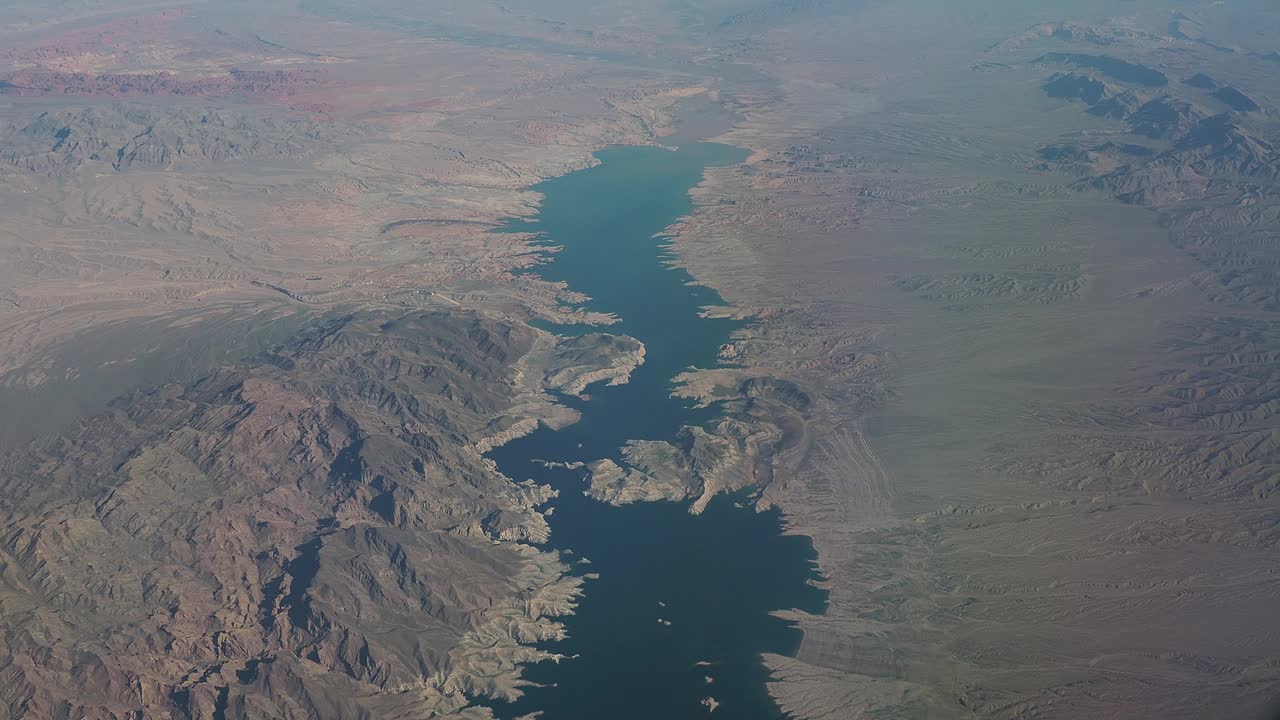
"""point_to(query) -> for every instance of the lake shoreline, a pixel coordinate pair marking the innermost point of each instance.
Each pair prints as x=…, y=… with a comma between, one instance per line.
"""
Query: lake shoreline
x=678, y=608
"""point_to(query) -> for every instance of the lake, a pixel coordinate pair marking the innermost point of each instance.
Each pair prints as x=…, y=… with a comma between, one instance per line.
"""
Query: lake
x=680, y=611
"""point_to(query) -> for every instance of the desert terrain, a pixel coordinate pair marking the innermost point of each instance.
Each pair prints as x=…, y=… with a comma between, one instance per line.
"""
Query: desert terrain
x=1010, y=354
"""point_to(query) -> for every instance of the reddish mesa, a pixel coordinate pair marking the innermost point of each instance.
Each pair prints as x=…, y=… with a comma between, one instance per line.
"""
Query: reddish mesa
x=103, y=36
x=257, y=83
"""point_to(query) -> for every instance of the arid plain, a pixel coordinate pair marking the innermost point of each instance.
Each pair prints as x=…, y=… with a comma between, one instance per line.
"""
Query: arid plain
x=1012, y=359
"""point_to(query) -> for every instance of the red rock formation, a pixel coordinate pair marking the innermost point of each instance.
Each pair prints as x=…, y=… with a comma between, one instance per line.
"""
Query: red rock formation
x=108, y=35
x=257, y=83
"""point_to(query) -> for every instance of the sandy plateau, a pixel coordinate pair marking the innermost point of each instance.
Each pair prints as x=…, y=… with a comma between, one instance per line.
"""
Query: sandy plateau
x=1013, y=358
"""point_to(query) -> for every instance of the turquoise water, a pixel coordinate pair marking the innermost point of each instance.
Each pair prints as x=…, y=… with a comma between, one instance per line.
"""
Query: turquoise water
x=713, y=577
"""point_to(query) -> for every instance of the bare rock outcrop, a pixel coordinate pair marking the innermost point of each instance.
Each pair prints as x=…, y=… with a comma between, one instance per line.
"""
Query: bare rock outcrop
x=310, y=528
x=124, y=137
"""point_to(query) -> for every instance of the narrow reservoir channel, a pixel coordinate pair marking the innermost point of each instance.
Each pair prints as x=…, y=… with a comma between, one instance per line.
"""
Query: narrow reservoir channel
x=680, y=610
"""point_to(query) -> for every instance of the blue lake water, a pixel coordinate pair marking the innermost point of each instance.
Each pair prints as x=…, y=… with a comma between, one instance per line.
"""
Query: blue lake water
x=713, y=577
